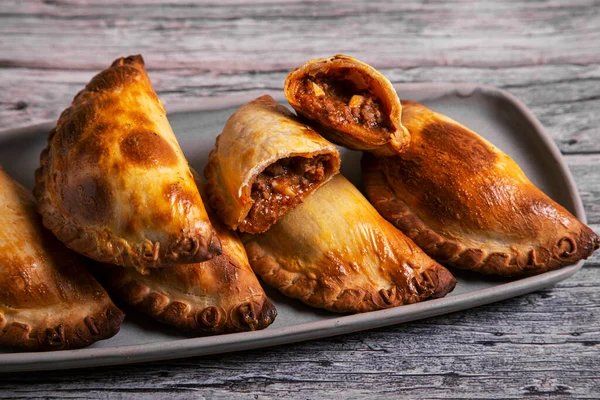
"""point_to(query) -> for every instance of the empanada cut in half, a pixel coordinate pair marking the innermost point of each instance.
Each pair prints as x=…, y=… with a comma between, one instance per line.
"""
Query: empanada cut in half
x=265, y=163
x=468, y=204
x=350, y=103
x=334, y=251
x=220, y=295
x=48, y=301
x=114, y=184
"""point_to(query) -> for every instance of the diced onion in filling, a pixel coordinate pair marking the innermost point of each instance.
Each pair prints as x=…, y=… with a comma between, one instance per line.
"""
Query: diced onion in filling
x=281, y=186
x=338, y=103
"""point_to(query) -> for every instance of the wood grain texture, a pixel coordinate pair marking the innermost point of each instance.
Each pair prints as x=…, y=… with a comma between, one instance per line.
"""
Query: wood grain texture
x=563, y=98
x=546, y=52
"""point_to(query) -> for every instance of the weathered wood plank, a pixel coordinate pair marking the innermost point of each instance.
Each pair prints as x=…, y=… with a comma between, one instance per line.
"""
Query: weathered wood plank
x=563, y=97
x=410, y=35
x=586, y=173
x=524, y=33
x=200, y=50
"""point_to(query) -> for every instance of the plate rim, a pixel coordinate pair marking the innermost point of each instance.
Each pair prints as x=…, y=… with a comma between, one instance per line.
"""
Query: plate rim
x=208, y=345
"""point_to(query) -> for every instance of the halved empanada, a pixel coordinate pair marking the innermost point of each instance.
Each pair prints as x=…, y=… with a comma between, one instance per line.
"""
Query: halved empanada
x=113, y=183
x=216, y=296
x=48, y=301
x=265, y=163
x=352, y=104
x=468, y=204
x=334, y=251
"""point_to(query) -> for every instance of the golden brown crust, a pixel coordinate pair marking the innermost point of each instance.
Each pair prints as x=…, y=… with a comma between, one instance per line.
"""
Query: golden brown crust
x=113, y=183
x=217, y=296
x=467, y=204
x=222, y=298
x=256, y=136
x=48, y=301
x=334, y=251
x=344, y=68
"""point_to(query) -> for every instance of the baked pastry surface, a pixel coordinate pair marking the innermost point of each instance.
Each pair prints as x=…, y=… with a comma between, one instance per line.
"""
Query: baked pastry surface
x=468, y=204
x=264, y=164
x=48, y=301
x=350, y=103
x=114, y=184
x=334, y=251
x=216, y=296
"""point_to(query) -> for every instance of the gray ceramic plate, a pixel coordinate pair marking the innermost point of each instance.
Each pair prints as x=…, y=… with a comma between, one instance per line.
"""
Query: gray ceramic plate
x=495, y=114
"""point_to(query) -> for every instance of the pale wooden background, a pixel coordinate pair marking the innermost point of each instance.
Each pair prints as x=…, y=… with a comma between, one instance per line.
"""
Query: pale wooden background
x=547, y=53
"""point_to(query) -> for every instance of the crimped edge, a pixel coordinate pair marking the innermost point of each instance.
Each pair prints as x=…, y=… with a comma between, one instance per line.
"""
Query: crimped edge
x=102, y=324
x=424, y=285
x=539, y=259
x=254, y=314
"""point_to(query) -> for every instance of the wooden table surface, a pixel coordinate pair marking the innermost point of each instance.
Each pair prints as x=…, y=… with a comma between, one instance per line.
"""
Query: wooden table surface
x=547, y=53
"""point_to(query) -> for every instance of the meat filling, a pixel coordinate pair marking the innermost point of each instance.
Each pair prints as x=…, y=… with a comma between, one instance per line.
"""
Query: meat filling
x=339, y=102
x=280, y=187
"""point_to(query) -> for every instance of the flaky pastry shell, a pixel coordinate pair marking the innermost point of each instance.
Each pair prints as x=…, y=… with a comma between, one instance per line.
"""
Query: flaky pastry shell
x=343, y=125
x=220, y=295
x=468, y=204
x=263, y=143
x=48, y=301
x=334, y=251
x=114, y=184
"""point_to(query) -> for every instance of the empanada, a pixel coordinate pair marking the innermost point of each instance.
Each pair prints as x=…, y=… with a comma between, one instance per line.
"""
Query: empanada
x=265, y=163
x=334, y=251
x=351, y=103
x=469, y=205
x=216, y=296
x=113, y=183
x=48, y=301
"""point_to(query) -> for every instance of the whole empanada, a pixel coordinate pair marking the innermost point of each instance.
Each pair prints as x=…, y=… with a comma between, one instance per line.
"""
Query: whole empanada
x=265, y=163
x=468, y=204
x=334, y=251
x=48, y=301
x=351, y=103
x=113, y=183
x=216, y=296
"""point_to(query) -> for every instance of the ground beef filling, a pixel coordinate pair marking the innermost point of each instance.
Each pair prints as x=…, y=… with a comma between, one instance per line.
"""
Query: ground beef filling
x=280, y=187
x=338, y=102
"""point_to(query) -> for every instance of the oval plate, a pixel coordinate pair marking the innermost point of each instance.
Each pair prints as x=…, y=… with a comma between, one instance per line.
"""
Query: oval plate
x=493, y=113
